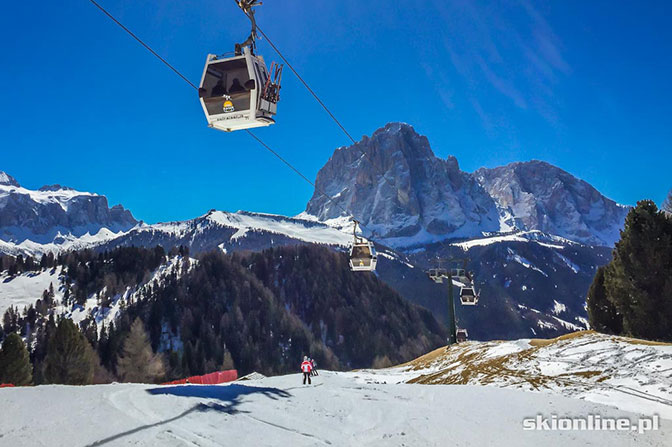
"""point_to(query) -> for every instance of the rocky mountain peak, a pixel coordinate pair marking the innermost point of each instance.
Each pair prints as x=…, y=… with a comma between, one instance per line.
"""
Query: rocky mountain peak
x=397, y=188
x=7, y=180
x=55, y=214
x=394, y=184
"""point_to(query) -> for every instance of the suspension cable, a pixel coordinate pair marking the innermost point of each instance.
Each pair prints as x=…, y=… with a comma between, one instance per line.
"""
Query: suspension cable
x=143, y=43
x=327, y=196
x=259, y=140
x=305, y=84
x=326, y=109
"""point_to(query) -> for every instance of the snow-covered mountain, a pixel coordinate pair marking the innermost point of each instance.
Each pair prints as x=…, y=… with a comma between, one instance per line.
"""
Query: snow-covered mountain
x=231, y=232
x=539, y=196
x=534, y=233
x=55, y=217
x=406, y=196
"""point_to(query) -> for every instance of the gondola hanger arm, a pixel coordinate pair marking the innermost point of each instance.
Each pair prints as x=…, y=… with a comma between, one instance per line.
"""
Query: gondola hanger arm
x=247, y=7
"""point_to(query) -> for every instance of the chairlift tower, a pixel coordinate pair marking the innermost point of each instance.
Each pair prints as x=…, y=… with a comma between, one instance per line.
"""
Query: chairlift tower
x=438, y=275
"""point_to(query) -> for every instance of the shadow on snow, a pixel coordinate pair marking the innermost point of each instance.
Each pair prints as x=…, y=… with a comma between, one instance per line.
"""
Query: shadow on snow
x=229, y=398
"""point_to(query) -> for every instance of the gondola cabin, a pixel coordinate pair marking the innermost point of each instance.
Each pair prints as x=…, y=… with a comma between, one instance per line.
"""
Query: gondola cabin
x=468, y=296
x=237, y=92
x=363, y=257
x=461, y=335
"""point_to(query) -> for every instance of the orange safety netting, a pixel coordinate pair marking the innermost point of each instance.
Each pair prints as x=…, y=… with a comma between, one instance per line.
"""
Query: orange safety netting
x=208, y=379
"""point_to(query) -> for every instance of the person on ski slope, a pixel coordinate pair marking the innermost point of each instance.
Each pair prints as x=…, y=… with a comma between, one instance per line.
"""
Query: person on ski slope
x=313, y=367
x=306, y=368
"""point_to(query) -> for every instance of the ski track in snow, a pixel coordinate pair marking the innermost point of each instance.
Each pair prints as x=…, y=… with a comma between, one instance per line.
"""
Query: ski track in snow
x=339, y=409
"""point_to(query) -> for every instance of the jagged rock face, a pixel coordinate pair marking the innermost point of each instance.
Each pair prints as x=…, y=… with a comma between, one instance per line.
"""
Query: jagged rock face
x=41, y=215
x=398, y=189
x=7, y=180
x=423, y=199
x=538, y=196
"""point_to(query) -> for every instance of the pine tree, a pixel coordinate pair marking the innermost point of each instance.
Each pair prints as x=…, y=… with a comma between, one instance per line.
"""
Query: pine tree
x=15, y=366
x=70, y=358
x=638, y=281
x=228, y=363
x=602, y=314
x=667, y=205
x=137, y=362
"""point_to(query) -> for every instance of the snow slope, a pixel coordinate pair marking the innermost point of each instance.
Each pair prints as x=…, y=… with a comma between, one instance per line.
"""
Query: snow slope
x=629, y=374
x=25, y=289
x=339, y=409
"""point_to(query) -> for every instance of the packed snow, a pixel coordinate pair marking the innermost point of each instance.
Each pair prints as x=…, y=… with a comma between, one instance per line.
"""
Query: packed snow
x=365, y=408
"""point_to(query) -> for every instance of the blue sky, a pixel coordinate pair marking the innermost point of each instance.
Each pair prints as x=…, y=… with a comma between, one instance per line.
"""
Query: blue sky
x=583, y=85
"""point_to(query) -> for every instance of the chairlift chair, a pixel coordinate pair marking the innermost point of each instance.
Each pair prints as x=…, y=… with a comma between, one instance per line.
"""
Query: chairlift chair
x=238, y=93
x=461, y=275
x=468, y=296
x=437, y=275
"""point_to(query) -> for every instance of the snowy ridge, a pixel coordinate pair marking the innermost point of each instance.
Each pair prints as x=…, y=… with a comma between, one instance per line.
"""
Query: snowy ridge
x=61, y=196
x=55, y=218
x=244, y=223
x=535, y=236
x=296, y=228
x=61, y=242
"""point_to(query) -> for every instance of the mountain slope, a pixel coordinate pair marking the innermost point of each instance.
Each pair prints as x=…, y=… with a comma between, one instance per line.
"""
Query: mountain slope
x=262, y=310
x=531, y=284
x=281, y=304
x=623, y=372
x=231, y=232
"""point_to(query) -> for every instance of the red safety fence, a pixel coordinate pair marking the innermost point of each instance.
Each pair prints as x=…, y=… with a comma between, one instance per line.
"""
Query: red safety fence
x=6, y=385
x=208, y=379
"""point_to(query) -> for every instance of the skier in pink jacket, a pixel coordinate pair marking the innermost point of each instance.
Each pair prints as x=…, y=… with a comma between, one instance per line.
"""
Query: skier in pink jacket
x=306, y=368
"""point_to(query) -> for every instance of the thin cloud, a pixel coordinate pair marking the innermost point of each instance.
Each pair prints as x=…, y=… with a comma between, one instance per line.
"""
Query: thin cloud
x=503, y=49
